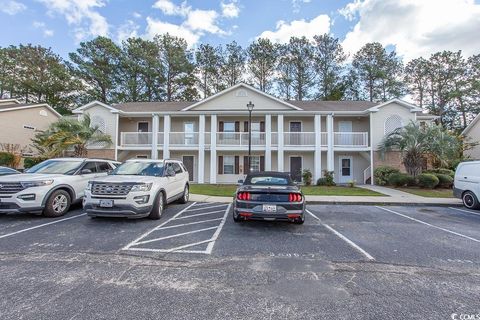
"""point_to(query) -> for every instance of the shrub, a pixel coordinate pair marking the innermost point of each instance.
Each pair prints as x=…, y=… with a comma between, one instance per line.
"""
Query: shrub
x=411, y=181
x=307, y=177
x=445, y=181
x=399, y=179
x=447, y=172
x=30, y=161
x=352, y=183
x=327, y=179
x=7, y=159
x=428, y=180
x=381, y=174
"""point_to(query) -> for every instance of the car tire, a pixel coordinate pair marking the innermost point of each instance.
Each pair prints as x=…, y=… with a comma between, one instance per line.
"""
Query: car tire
x=300, y=221
x=236, y=219
x=185, y=196
x=158, y=207
x=58, y=203
x=470, y=201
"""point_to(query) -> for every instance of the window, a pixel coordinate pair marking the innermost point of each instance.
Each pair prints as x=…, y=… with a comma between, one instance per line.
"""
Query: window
x=28, y=127
x=142, y=127
x=142, y=156
x=228, y=164
x=92, y=166
x=99, y=123
x=103, y=167
x=255, y=164
x=393, y=123
x=188, y=128
x=177, y=168
x=229, y=127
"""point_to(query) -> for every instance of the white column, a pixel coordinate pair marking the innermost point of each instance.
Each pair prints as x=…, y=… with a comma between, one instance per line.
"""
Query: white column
x=280, y=160
x=166, y=137
x=155, y=126
x=372, y=182
x=117, y=134
x=318, y=145
x=330, y=141
x=213, y=149
x=268, y=142
x=201, y=149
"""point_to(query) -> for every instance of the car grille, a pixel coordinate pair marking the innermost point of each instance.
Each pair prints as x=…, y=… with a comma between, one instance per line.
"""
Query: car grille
x=111, y=189
x=10, y=187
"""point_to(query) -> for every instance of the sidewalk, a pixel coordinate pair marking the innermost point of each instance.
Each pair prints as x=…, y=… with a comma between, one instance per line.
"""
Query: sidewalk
x=392, y=197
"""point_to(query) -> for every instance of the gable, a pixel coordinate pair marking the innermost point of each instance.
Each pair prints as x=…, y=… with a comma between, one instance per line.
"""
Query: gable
x=94, y=104
x=237, y=97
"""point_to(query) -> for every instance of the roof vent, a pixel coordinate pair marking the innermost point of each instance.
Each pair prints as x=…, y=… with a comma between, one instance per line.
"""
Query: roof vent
x=241, y=93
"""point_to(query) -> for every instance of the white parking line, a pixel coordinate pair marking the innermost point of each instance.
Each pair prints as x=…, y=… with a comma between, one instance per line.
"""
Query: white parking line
x=341, y=236
x=174, y=235
x=197, y=215
x=463, y=210
x=206, y=208
x=190, y=223
x=205, y=204
x=428, y=224
x=127, y=247
x=217, y=233
x=39, y=226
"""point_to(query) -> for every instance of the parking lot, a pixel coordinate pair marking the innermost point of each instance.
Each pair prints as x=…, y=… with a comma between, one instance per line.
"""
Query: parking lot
x=345, y=262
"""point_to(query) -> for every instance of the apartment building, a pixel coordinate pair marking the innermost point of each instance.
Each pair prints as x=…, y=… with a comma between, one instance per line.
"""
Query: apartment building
x=211, y=136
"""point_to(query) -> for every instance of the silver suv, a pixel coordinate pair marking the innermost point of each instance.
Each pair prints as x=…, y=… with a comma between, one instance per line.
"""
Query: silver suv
x=51, y=186
x=137, y=189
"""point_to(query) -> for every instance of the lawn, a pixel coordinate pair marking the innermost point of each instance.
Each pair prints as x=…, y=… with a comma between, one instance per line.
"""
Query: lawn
x=429, y=193
x=227, y=190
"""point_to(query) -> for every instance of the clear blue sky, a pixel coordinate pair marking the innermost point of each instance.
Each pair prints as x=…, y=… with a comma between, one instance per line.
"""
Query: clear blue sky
x=413, y=28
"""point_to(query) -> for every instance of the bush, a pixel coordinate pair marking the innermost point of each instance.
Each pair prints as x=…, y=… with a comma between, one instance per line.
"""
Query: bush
x=447, y=172
x=307, y=177
x=400, y=179
x=381, y=174
x=445, y=181
x=428, y=180
x=352, y=183
x=30, y=162
x=327, y=179
x=7, y=159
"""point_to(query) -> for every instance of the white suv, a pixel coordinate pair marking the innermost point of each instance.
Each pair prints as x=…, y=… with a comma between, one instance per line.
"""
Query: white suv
x=137, y=189
x=51, y=186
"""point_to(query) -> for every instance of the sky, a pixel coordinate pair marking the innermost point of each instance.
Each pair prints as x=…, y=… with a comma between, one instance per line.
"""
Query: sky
x=413, y=28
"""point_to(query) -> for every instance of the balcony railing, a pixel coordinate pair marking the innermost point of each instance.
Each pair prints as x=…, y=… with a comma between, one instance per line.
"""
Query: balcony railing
x=290, y=139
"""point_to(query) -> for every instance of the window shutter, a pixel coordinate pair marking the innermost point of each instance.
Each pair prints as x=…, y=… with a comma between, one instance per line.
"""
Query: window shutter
x=237, y=126
x=245, y=126
x=220, y=126
x=262, y=163
x=237, y=164
x=245, y=165
x=262, y=126
x=220, y=164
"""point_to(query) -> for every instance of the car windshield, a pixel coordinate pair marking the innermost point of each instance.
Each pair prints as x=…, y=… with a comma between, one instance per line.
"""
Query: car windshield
x=268, y=181
x=140, y=169
x=56, y=167
x=4, y=171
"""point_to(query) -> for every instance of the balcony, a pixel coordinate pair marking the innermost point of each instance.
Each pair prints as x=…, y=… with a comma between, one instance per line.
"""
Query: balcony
x=350, y=139
x=136, y=139
x=299, y=139
x=240, y=138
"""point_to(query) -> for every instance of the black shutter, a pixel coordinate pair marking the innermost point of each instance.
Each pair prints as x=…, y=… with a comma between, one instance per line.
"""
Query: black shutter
x=262, y=126
x=245, y=126
x=220, y=164
x=262, y=163
x=245, y=165
x=237, y=164
x=220, y=126
x=237, y=126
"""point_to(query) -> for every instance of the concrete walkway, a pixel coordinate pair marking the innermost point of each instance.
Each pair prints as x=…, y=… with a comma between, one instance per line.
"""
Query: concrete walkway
x=392, y=197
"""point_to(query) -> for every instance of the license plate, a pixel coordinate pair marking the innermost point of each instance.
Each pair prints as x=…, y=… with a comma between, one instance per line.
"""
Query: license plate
x=269, y=208
x=106, y=203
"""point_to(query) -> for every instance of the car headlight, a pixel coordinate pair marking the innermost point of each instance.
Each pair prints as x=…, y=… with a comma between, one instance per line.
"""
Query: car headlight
x=141, y=187
x=31, y=184
x=89, y=186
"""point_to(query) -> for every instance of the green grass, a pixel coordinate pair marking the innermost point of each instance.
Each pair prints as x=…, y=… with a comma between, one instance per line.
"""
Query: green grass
x=429, y=193
x=227, y=190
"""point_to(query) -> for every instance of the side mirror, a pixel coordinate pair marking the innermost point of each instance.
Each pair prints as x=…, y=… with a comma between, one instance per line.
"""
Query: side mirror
x=86, y=171
x=240, y=182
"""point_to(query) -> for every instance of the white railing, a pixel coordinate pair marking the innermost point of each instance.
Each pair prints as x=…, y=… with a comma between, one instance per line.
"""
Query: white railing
x=350, y=139
x=367, y=174
x=299, y=138
x=136, y=139
x=183, y=138
x=160, y=136
x=240, y=138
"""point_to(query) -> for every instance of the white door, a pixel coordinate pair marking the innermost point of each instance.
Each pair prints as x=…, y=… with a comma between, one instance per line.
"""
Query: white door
x=346, y=169
x=345, y=128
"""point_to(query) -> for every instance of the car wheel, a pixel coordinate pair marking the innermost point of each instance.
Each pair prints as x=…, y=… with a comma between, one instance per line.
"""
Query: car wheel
x=236, y=218
x=300, y=221
x=470, y=200
x=57, y=204
x=186, y=195
x=157, y=210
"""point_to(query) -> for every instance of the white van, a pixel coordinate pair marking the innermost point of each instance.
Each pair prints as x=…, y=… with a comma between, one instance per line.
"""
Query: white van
x=467, y=184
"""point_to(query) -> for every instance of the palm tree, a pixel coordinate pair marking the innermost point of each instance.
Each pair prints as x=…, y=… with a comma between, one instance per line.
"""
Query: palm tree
x=416, y=143
x=66, y=134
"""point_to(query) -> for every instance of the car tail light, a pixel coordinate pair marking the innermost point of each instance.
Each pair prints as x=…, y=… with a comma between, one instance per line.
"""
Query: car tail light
x=244, y=196
x=294, y=197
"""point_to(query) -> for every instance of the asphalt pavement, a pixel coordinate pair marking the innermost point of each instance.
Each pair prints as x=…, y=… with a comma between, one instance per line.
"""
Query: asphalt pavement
x=345, y=262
